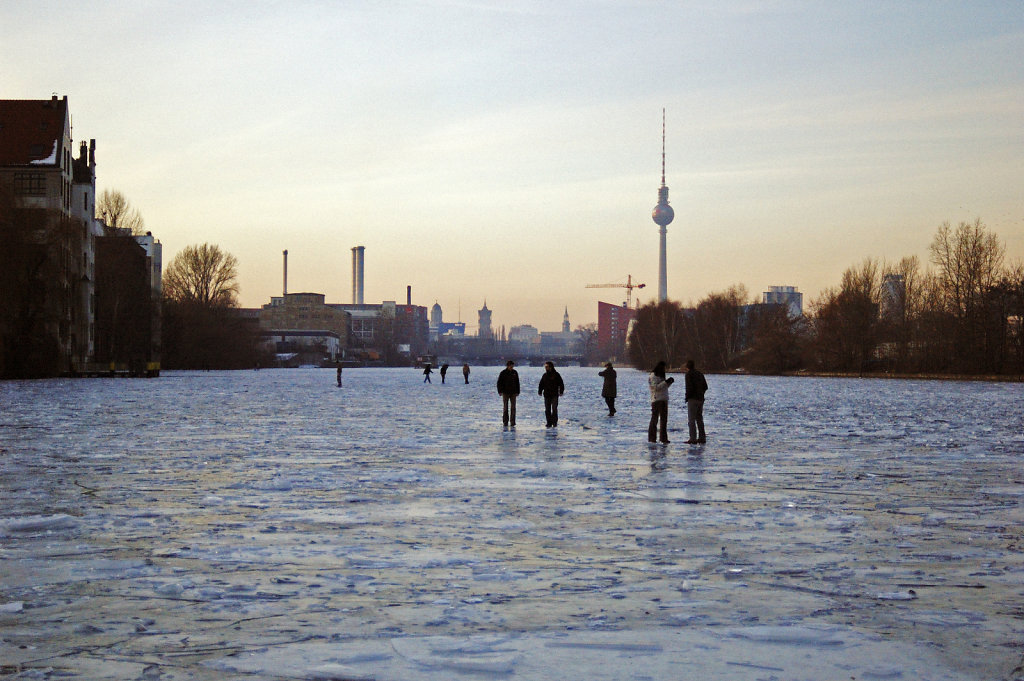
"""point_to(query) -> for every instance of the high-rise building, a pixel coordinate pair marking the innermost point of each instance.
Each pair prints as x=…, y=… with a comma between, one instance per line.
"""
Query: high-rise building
x=662, y=216
x=893, y=298
x=436, y=320
x=785, y=295
x=613, y=329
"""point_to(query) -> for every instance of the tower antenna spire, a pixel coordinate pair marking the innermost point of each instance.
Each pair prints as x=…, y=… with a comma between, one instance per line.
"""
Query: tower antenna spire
x=663, y=147
x=662, y=216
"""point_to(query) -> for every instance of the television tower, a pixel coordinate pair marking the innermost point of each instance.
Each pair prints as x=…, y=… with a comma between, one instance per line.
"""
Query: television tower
x=662, y=216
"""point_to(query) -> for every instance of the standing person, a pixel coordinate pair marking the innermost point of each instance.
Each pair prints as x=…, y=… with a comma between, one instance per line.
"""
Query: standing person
x=465, y=373
x=609, y=389
x=508, y=388
x=426, y=374
x=444, y=370
x=551, y=386
x=659, y=403
x=696, y=386
x=339, y=374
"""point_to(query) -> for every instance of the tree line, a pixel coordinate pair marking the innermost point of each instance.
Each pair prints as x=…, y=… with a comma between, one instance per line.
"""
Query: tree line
x=958, y=314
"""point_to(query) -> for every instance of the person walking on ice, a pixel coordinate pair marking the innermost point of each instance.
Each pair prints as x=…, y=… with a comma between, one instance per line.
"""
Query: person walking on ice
x=659, y=403
x=609, y=389
x=551, y=386
x=426, y=374
x=508, y=388
x=465, y=373
x=696, y=386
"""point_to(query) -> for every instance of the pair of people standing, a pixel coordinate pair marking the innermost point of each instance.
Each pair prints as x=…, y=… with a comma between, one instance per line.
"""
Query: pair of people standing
x=551, y=387
x=696, y=386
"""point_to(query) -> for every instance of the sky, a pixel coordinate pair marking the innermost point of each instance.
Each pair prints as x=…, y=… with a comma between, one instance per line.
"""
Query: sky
x=510, y=152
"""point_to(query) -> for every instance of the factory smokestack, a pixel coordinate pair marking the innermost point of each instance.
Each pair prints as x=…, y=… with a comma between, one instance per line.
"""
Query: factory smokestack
x=357, y=274
x=285, y=272
x=408, y=295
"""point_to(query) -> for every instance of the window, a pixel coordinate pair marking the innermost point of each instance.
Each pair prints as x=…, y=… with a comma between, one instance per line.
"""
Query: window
x=30, y=184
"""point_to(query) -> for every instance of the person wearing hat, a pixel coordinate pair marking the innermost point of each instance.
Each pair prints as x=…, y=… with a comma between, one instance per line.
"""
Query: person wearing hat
x=508, y=388
x=609, y=389
x=551, y=386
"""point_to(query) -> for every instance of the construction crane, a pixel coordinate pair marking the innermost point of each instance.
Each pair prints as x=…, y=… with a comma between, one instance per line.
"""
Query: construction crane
x=629, y=286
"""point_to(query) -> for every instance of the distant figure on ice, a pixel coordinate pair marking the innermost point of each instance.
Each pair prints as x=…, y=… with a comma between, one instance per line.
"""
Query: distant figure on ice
x=426, y=374
x=465, y=373
x=609, y=390
x=696, y=386
x=551, y=386
x=508, y=388
x=659, y=403
x=339, y=374
x=444, y=370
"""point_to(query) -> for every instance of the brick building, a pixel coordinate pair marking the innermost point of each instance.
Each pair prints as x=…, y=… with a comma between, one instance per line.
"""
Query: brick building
x=613, y=329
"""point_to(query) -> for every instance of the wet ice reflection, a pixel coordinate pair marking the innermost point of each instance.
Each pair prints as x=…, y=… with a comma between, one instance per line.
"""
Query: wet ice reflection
x=220, y=525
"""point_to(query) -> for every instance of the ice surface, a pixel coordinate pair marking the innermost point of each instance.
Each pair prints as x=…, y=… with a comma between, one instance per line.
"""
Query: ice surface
x=270, y=525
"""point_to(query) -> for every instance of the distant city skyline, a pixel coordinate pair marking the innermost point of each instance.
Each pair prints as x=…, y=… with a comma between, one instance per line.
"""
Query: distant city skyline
x=511, y=152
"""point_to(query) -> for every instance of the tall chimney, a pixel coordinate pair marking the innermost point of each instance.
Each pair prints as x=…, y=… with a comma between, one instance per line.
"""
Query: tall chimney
x=357, y=274
x=285, y=272
x=92, y=153
x=408, y=295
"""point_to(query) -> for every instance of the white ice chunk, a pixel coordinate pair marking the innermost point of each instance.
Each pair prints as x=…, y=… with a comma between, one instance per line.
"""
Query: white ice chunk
x=36, y=523
x=786, y=635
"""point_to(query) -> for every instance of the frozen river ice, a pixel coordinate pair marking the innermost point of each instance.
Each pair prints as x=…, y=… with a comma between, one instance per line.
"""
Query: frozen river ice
x=240, y=525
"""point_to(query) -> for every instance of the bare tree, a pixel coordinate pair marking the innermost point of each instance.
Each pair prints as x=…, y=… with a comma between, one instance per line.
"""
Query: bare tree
x=777, y=340
x=204, y=275
x=117, y=213
x=587, y=335
x=846, y=319
x=658, y=335
x=969, y=260
x=714, y=329
x=1012, y=288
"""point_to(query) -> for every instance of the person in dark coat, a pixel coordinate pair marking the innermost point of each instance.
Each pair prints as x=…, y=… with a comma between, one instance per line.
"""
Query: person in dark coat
x=444, y=370
x=551, y=386
x=508, y=388
x=465, y=373
x=696, y=386
x=659, y=403
x=609, y=390
x=426, y=374
x=339, y=374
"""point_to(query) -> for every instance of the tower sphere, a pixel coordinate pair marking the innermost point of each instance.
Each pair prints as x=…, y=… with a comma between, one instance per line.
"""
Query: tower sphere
x=663, y=214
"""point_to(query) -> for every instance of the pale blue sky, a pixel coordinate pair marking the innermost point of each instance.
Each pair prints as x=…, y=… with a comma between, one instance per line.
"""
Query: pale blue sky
x=511, y=151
